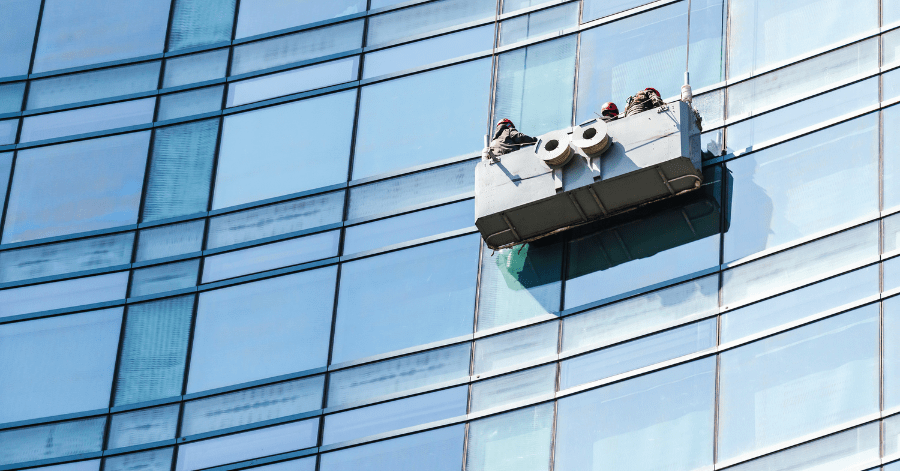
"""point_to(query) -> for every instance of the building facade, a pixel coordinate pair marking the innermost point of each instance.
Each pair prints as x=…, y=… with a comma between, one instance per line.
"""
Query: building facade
x=239, y=234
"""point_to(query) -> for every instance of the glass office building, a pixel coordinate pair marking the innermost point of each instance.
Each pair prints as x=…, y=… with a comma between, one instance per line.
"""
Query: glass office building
x=239, y=234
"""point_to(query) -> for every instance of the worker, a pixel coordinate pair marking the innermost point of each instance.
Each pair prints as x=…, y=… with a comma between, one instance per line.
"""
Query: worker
x=609, y=112
x=644, y=100
x=507, y=139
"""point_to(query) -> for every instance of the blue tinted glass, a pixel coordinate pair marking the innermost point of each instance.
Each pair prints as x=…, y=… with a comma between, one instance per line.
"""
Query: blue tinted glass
x=180, y=170
x=200, y=22
x=784, y=193
x=66, y=257
x=408, y=227
x=60, y=294
x=153, y=460
x=436, y=450
x=320, y=126
x=51, y=182
x=162, y=278
x=8, y=130
x=85, y=120
x=891, y=149
x=11, y=97
x=271, y=256
x=263, y=16
x=292, y=81
x=189, y=103
x=594, y=9
x=533, y=25
x=51, y=441
x=95, y=85
x=57, y=365
x=195, y=68
x=167, y=241
x=17, y=23
x=522, y=346
x=392, y=109
x=302, y=464
x=663, y=420
x=429, y=51
x=262, y=329
x=81, y=32
x=143, y=426
x=891, y=352
x=153, y=350
x=535, y=86
x=6, y=159
x=395, y=415
x=297, y=47
x=517, y=440
x=406, y=298
x=91, y=465
x=427, y=18
x=518, y=387
x=857, y=448
x=247, y=445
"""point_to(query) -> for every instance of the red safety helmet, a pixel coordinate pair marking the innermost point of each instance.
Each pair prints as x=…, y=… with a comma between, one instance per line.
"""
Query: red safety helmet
x=609, y=109
x=654, y=91
x=506, y=122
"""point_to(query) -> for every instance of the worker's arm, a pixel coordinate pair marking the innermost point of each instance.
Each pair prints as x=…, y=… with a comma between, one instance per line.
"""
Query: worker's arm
x=520, y=138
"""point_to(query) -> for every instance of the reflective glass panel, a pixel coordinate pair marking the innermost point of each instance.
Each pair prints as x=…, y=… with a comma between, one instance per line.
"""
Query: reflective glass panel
x=891, y=366
x=6, y=160
x=82, y=32
x=536, y=85
x=252, y=405
x=429, y=51
x=766, y=34
x=297, y=47
x=319, y=127
x=61, y=294
x=507, y=350
x=200, y=22
x=292, y=81
x=168, y=241
x=517, y=440
x=263, y=329
x=433, y=16
x=891, y=274
x=507, y=390
x=276, y=219
x=247, y=445
x=263, y=16
x=799, y=382
x=143, y=426
x=17, y=23
x=11, y=96
x=162, y=278
x=153, y=350
x=195, y=68
x=389, y=110
x=51, y=441
x=271, y=256
x=94, y=85
x=890, y=14
x=57, y=190
x=58, y=365
x=406, y=298
x=180, y=170
x=8, y=130
x=86, y=120
x=302, y=464
x=189, y=103
x=890, y=43
x=711, y=107
x=891, y=151
x=66, y=257
x=594, y=9
x=435, y=450
x=663, y=420
x=539, y=23
x=891, y=437
x=854, y=449
x=153, y=460
x=412, y=226
x=90, y=465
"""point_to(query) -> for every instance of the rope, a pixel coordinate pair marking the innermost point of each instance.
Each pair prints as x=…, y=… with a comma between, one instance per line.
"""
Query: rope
x=687, y=56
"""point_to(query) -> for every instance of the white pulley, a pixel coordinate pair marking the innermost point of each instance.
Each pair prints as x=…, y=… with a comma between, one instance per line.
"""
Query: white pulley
x=553, y=148
x=592, y=139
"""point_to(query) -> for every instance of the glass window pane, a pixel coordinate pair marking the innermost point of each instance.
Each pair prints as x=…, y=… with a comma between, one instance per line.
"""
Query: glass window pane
x=796, y=305
x=292, y=81
x=195, y=68
x=162, y=278
x=297, y=47
x=200, y=22
x=320, y=126
x=891, y=149
x=90, y=465
x=391, y=109
x=396, y=415
x=271, y=256
x=77, y=292
x=854, y=449
x=539, y=23
x=17, y=23
x=247, y=445
x=535, y=86
x=766, y=34
x=66, y=257
x=11, y=96
x=143, y=426
x=180, y=170
x=189, y=103
x=57, y=190
x=803, y=187
x=891, y=328
x=263, y=16
x=890, y=45
x=42, y=442
x=404, y=375
x=85, y=120
x=891, y=274
x=58, y=365
x=507, y=350
x=8, y=130
x=507, y=390
x=252, y=405
x=153, y=350
x=890, y=13
x=263, y=329
x=407, y=227
x=799, y=382
x=891, y=437
x=426, y=18
x=406, y=298
x=82, y=32
x=94, y=85
x=519, y=283
x=711, y=107
x=412, y=191
x=594, y=9
x=153, y=460
x=800, y=265
x=517, y=440
x=6, y=160
x=302, y=464
x=638, y=354
x=168, y=241
x=436, y=450
x=429, y=51
x=663, y=420
x=276, y=219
